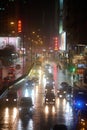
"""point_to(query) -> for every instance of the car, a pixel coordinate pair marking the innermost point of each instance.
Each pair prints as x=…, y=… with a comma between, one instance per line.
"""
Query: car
x=64, y=85
x=25, y=106
x=50, y=80
x=11, y=98
x=61, y=93
x=49, y=88
x=69, y=93
x=64, y=91
x=50, y=98
x=47, y=66
x=29, y=83
x=35, y=79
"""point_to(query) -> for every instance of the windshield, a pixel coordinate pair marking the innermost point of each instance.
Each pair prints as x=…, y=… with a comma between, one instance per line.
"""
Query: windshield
x=12, y=95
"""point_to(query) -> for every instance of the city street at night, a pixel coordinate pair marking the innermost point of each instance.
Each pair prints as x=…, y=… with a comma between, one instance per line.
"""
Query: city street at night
x=44, y=116
x=43, y=65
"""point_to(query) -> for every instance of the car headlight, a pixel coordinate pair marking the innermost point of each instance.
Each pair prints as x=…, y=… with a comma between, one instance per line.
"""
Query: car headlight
x=53, y=82
x=68, y=95
x=7, y=99
x=60, y=95
x=64, y=92
x=58, y=91
x=53, y=99
x=27, y=84
x=82, y=120
x=31, y=109
x=15, y=100
x=20, y=108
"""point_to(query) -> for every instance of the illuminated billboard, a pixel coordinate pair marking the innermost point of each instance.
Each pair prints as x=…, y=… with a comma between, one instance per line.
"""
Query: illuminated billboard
x=62, y=41
x=15, y=41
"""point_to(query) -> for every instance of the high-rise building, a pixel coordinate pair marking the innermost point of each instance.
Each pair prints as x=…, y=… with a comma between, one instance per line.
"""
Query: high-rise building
x=8, y=16
x=75, y=21
x=10, y=12
x=71, y=19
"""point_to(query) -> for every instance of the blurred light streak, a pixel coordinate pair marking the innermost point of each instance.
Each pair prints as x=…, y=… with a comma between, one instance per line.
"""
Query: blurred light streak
x=68, y=113
x=55, y=72
x=6, y=112
x=68, y=108
x=6, y=116
x=53, y=109
x=19, y=124
x=33, y=96
x=44, y=81
x=14, y=114
x=50, y=70
x=26, y=94
x=58, y=102
x=40, y=74
x=30, y=124
x=36, y=92
x=46, y=109
x=83, y=129
x=64, y=104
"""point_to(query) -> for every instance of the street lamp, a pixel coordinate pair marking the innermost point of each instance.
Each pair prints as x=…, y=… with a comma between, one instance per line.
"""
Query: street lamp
x=12, y=27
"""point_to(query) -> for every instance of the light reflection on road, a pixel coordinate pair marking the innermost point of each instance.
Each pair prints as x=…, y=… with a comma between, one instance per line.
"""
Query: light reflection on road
x=49, y=109
x=10, y=115
x=28, y=126
x=60, y=112
x=6, y=115
x=46, y=110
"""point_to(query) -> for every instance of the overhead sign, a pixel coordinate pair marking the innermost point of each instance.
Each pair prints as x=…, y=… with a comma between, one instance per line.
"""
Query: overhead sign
x=62, y=45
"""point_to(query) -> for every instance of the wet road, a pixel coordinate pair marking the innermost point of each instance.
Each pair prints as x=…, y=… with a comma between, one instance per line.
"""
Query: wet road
x=44, y=116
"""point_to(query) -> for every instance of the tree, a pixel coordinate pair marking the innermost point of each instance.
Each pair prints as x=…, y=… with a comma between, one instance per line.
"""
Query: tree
x=7, y=51
x=6, y=55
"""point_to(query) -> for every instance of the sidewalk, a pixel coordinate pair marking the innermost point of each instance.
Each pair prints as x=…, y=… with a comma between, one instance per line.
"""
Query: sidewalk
x=78, y=84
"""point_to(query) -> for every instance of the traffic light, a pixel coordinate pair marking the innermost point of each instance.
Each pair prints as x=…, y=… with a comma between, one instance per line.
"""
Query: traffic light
x=19, y=26
x=71, y=68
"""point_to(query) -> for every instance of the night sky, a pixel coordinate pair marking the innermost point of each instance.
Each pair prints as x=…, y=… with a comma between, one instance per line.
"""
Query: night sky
x=40, y=14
